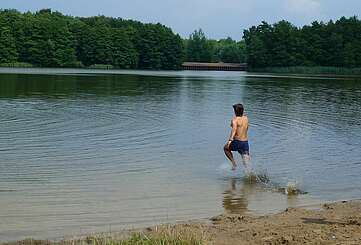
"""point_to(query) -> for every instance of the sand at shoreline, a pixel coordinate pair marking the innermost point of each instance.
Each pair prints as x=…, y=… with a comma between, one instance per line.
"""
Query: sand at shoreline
x=336, y=223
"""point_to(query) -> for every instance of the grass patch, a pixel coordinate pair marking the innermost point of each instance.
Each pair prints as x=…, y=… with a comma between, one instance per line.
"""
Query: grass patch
x=320, y=70
x=163, y=235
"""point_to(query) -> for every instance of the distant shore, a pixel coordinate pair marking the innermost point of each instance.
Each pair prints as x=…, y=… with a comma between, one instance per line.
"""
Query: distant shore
x=310, y=70
x=334, y=223
x=292, y=70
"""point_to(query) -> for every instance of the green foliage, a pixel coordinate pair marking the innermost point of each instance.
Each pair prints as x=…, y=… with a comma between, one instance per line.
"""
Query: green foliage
x=199, y=49
x=159, y=48
x=230, y=51
x=334, y=44
x=50, y=39
x=17, y=64
x=47, y=40
x=101, y=66
x=124, y=54
x=8, y=52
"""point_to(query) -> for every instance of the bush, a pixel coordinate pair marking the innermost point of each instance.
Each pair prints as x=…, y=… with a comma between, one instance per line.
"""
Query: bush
x=101, y=66
x=17, y=64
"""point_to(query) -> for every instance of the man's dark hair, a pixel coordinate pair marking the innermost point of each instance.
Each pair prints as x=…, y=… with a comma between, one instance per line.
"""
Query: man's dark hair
x=238, y=110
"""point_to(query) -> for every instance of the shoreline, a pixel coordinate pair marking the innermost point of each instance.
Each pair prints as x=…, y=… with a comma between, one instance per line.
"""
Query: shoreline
x=332, y=223
x=176, y=73
x=314, y=72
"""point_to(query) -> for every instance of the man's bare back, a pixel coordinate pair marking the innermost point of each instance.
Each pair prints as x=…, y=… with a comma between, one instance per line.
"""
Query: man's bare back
x=241, y=128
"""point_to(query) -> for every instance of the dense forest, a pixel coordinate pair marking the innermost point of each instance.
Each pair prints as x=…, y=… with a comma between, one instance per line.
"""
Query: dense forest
x=332, y=44
x=335, y=44
x=51, y=39
x=200, y=49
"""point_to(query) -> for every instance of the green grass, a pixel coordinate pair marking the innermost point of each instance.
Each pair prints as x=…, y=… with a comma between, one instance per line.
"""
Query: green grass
x=136, y=239
x=167, y=235
x=317, y=70
x=141, y=239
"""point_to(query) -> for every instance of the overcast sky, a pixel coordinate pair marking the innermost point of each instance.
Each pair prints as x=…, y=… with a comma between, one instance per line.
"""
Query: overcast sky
x=217, y=18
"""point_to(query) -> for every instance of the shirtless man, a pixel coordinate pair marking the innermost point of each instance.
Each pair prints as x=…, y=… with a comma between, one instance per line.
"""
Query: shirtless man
x=238, y=140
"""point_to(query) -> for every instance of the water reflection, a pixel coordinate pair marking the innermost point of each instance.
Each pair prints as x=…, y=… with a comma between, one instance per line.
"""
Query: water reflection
x=235, y=196
x=242, y=196
x=21, y=85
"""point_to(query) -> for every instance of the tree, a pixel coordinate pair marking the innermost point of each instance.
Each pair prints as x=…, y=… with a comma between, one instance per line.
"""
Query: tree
x=199, y=49
x=50, y=39
x=258, y=42
x=319, y=44
x=47, y=40
x=230, y=51
x=124, y=54
x=8, y=53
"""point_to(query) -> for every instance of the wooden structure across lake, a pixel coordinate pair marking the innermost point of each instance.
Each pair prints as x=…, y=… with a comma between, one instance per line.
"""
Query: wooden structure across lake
x=214, y=66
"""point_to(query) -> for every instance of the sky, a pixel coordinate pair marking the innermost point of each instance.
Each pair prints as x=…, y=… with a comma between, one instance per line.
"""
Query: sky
x=217, y=18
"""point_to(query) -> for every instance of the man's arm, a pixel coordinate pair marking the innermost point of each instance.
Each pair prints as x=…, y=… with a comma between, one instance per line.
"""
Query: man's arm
x=234, y=129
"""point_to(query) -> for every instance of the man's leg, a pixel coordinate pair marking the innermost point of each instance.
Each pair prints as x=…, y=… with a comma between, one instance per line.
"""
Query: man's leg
x=246, y=162
x=229, y=155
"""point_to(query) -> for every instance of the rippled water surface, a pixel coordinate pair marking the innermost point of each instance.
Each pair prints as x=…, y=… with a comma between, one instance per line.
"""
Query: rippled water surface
x=82, y=151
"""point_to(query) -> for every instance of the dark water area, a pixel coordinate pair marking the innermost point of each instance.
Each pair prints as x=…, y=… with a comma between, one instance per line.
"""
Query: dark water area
x=95, y=151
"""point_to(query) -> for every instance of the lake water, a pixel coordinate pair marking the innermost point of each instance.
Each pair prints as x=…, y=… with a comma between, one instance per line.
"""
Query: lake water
x=96, y=151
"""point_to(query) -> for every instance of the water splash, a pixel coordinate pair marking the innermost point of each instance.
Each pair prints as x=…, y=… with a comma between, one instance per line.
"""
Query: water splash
x=252, y=176
x=262, y=178
x=292, y=188
x=224, y=167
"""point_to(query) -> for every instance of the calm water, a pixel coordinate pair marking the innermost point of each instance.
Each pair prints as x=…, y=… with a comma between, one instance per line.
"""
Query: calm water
x=86, y=152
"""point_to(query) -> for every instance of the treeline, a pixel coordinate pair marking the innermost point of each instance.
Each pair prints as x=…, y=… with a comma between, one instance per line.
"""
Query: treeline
x=200, y=49
x=51, y=39
x=332, y=44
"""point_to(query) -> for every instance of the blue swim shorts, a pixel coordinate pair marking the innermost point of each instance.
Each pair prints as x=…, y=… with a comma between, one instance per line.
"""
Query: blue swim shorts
x=241, y=146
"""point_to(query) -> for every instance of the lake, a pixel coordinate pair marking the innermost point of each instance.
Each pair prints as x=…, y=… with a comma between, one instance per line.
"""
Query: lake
x=96, y=151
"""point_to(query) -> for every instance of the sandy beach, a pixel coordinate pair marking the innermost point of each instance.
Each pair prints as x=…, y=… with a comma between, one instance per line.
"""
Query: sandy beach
x=335, y=223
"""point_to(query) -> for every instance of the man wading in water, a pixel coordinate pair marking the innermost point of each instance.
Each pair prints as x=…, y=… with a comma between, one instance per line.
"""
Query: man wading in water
x=238, y=140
